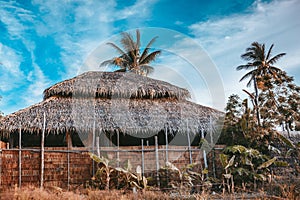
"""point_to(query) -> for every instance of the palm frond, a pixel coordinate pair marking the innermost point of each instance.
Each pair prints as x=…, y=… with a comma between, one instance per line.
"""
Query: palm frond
x=245, y=67
x=151, y=57
x=274, y=59
x=107, y=63
x=138, y=39
x=147, y=69
x=146, y=50
x=128, y=42
x=269, y=52
x=250, y=75
x=120, y=70
x=120, y=51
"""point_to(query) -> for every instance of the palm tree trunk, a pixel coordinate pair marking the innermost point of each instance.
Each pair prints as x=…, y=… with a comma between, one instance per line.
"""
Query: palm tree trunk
x=256, y=102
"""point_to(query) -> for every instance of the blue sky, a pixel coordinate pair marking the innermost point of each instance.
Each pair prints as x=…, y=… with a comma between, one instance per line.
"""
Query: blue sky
x=44, y=42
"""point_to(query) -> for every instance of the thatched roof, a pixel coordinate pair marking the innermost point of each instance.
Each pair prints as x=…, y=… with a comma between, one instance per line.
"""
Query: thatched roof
x=71, y=106
x=115, y=85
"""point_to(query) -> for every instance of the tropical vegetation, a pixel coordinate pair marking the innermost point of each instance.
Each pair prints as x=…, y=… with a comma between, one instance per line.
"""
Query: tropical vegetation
x=250, y=131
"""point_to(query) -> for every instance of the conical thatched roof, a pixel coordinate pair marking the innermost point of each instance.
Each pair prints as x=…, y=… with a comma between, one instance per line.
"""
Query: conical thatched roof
x=109, y=101
x=115, y=85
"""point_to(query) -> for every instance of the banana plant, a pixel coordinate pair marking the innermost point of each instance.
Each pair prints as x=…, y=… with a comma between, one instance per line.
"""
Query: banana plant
x=116, y=178
x=244, y=165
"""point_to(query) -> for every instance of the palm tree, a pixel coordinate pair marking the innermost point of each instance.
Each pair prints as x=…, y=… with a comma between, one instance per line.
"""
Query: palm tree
x=131, y=58
x=261, y=64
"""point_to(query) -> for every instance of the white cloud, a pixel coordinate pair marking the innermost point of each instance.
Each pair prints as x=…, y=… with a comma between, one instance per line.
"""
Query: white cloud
x=37, y=84
x=79, y=29
x=11, y=74
x=227, y=38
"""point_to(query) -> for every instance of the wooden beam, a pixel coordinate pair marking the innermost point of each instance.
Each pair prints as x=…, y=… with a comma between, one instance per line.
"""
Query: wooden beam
x=20, y=157
x=43, y=152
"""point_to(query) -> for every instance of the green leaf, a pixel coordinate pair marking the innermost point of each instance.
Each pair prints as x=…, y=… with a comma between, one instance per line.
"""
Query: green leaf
x=242, y=171
x=285, y=140
x=97, y=159
x=223, y=159
x=205, y=171
x=238, y=148
x=260, y=177
x=128, y=166
x=230, y=163
x=281, y=164
x=267, y=163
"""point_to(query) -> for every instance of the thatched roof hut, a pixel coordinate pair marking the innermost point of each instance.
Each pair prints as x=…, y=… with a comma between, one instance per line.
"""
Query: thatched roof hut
x=108, y=102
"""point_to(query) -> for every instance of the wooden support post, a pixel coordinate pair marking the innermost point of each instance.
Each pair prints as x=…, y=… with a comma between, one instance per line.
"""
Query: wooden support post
x=189, y=143
x=157, y=161
x=143, y=161
x=93, y=139
x=0, y=169
x=93, y=145
x=20, y=157
x=166, y=138
x=69, y=142
x=189, y=148
x=42, y=152
x=204, y=153
x=118, y=146
x=98, y=146
x=211, y=131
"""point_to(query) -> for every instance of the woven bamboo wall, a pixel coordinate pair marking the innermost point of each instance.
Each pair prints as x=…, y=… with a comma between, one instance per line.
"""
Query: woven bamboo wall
x=55, y=170
x=65, y=169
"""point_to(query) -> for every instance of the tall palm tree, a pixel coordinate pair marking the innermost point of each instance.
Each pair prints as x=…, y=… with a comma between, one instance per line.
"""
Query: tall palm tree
x=131, y=58
x=261, y=63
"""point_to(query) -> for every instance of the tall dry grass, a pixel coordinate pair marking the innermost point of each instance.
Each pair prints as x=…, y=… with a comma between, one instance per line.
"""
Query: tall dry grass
x=53, y=193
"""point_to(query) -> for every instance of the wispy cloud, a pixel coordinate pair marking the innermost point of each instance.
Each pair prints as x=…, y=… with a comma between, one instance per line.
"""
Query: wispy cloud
x=73, y=28
x=79, y=28
x=11, y=74
x=225, y=39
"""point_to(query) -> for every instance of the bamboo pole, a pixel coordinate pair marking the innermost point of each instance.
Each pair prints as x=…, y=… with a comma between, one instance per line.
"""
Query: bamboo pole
x=166, y=138
x=93, y=146
x=68, y=157
x=204, y=153
x=20, y=157
x=43, y=152
x=189, y=144
x=118, y=152
x=211, y=131
x=98, y=146
x=157, y=161
x=0, y=169
x=143, y=162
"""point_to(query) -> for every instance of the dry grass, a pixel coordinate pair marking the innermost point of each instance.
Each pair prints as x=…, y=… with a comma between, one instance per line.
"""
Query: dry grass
x=53, y=193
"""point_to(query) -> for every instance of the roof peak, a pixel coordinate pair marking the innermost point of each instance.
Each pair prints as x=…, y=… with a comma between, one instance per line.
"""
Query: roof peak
x=97, y=84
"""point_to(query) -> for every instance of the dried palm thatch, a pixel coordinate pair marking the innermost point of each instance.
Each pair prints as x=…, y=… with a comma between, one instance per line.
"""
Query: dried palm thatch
x=97, y=101
x=115, y=85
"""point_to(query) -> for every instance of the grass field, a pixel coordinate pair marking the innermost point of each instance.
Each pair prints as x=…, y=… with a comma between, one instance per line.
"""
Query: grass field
x=54, y=193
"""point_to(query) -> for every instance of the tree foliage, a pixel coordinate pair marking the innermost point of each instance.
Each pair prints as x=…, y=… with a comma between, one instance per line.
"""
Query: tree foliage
x=261, y=65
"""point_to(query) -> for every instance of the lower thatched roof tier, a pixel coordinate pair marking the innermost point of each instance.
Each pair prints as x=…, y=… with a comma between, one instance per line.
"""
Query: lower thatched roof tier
x=131, y=116
x=97, y=84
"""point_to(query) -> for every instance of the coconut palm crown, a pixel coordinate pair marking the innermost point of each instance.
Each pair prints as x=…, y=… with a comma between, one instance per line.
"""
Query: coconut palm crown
x=261, y=63
x=131, y=58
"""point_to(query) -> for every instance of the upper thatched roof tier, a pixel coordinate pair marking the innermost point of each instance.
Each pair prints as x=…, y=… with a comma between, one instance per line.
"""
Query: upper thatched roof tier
x=115, y=85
